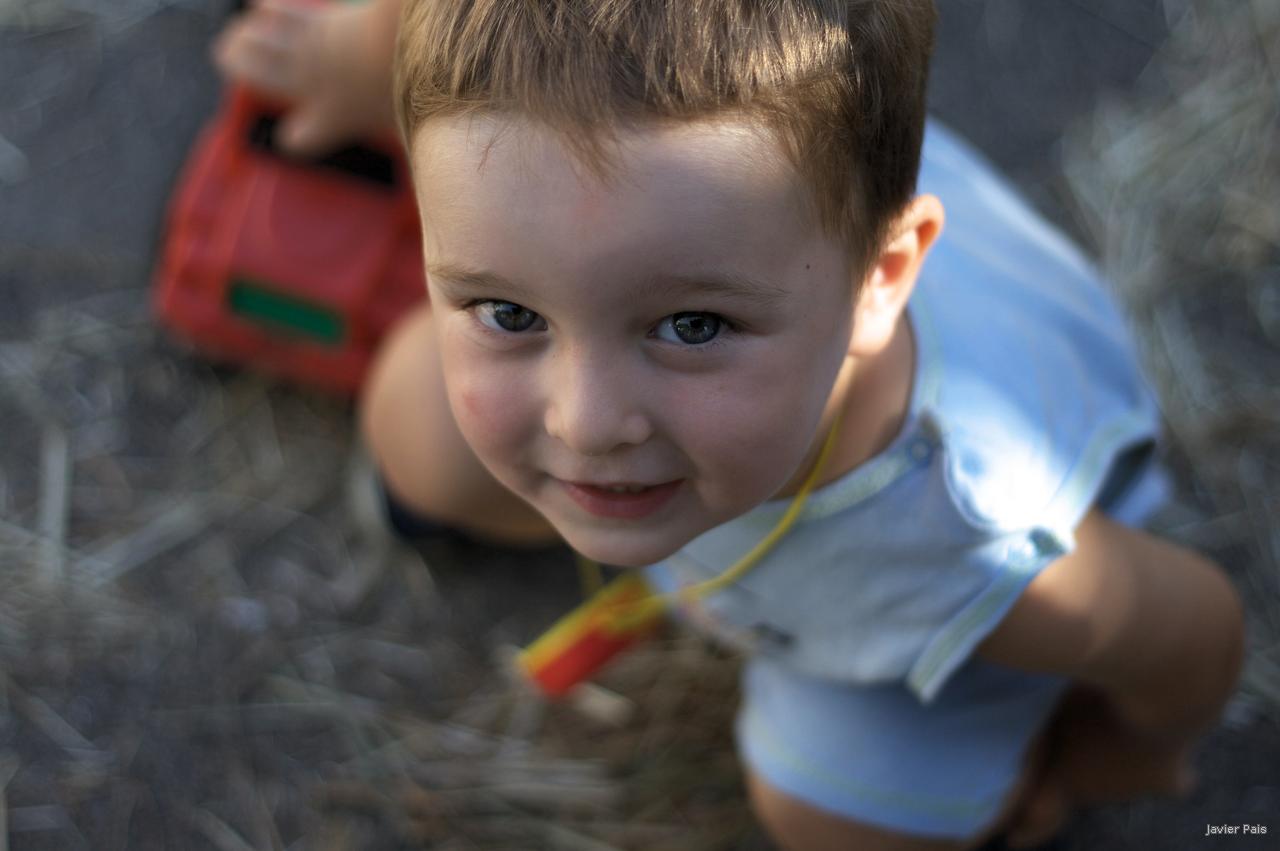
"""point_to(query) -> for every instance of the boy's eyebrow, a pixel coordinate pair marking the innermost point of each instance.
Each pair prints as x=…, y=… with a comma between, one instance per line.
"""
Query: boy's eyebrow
x=758, y=292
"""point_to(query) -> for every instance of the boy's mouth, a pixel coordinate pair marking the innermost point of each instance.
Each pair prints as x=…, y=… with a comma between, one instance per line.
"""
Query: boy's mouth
x=623, y=500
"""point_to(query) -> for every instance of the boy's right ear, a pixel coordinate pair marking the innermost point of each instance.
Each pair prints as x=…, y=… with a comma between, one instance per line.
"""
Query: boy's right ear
x=892, y=277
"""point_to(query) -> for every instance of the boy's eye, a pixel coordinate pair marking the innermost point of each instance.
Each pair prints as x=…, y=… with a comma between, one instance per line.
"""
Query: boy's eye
x=692, y=329
x=506, y=316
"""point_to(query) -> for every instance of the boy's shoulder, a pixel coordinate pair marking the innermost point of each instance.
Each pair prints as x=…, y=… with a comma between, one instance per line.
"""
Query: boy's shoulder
x=1025, y=363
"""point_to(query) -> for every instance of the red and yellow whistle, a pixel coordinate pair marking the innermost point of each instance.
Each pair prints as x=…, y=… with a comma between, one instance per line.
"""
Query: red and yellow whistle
x=622, y=613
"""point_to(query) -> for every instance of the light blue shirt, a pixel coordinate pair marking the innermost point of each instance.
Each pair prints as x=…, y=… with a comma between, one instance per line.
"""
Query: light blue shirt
x=1027, y=409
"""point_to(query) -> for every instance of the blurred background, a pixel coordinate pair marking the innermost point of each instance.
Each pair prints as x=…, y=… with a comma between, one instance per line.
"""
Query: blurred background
x=207, y=638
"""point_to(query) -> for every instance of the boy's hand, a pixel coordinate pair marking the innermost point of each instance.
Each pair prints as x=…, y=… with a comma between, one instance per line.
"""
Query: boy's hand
x=1153, y=636
x=330, y=61
x=1089, y=755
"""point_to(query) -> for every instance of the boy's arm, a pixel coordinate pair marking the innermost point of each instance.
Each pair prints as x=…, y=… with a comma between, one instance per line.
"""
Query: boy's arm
x=1158, y=628
x=330, y=61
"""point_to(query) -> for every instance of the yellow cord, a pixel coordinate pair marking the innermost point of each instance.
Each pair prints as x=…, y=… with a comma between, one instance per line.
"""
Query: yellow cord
x=642, y=610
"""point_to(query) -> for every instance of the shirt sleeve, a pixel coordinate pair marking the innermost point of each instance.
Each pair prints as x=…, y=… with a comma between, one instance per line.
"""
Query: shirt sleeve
x=1134, y=487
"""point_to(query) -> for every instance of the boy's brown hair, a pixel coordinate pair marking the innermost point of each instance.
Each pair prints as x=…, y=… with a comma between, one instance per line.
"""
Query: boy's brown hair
x=839, y=82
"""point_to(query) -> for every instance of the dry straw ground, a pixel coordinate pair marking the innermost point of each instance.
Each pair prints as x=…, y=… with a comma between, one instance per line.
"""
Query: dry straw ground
x=207, y=640
x=1181, y=195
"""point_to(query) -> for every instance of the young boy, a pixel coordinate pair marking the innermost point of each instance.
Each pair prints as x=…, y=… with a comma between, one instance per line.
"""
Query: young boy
x=671, y=247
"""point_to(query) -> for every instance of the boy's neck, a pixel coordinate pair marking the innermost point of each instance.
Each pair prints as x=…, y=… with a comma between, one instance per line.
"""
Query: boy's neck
x=874, y=396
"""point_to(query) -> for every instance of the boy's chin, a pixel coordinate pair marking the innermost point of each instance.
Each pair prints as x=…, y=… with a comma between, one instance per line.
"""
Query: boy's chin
x=620, y=549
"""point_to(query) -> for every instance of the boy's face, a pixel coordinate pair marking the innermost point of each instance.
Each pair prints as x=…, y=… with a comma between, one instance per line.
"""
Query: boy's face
x=643, y=361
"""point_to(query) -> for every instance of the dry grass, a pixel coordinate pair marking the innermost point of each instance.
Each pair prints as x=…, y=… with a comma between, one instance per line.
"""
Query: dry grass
x=204, y=647
x=1180, y=193
x=208, y=640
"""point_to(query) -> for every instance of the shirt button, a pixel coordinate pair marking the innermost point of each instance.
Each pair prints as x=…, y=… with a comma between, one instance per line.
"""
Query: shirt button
x=920, y=450
x=1045, y=542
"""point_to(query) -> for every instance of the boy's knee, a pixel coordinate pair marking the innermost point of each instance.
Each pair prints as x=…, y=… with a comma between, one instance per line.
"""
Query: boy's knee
x=394, y=369
x=798, y=826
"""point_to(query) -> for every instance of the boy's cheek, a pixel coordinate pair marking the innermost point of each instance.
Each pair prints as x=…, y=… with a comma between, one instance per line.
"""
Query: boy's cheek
x=475, y=390
x=749, y=444
x=488, y=415
x=470, y=405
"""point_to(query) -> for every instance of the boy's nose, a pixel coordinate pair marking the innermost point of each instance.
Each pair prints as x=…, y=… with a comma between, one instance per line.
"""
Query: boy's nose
x=592, y=409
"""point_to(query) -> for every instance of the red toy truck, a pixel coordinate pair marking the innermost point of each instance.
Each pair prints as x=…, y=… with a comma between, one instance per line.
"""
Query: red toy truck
x=293, y=267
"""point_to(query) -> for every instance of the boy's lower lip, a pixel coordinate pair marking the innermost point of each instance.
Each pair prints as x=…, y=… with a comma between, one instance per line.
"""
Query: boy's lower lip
x=627, y=506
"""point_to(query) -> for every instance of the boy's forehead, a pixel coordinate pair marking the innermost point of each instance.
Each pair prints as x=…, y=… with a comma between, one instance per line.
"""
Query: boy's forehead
x=718, y=200
x=735, y=154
